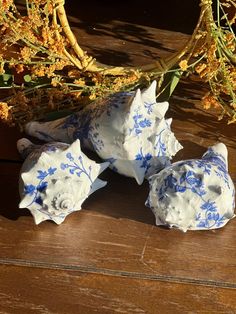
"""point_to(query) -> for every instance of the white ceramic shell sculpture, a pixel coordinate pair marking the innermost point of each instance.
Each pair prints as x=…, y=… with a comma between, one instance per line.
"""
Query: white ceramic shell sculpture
x=195, y=194
x=56, y=178
x=128, y=129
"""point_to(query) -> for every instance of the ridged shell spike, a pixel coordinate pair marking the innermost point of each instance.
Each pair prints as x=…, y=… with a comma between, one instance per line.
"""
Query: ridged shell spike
x=195, y=194
x=56, y=178
x=128, y=129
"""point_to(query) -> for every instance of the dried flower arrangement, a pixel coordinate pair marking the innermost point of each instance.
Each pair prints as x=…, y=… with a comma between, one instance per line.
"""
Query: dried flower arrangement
x=44, y=69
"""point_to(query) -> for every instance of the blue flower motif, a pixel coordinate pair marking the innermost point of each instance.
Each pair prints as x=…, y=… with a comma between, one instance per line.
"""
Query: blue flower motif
x=140, y=123
x=51, y=171
x=160, y=146
x=209, y=206
x=94, y=137
x=42, y=186
x=202, y=223
x=189, y=180
x=218, y=161
x=71, y=121
x=42, y=174
x=72, y=171
x=80, y=122
x=192, y=179
x=149, y=106
x=205, y=165
x=29, y=189
x=38, y=200
x=76, y=168
x=145, y=123
x=69, y=156
x=180, y=188
x=220, y=221
x=145, y=159
x=202, y=164
x=170, y=182
x=212, y=218
x=63, y=166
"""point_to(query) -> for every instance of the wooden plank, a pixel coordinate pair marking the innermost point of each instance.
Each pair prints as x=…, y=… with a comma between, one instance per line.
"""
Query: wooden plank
x=114, y=232
x=109, y=257
x=124, y=43
x=8, y=138
x=129, y=35
x=37, y=291
x=161, y=14
x=197, y=128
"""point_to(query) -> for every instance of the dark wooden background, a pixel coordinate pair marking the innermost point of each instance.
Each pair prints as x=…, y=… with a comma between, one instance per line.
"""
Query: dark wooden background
x=110, y=257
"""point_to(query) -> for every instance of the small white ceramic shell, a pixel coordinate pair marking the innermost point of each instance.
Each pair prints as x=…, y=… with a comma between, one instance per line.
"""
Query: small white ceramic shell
x=56, y=178
x=127, y=129
x=195, y=194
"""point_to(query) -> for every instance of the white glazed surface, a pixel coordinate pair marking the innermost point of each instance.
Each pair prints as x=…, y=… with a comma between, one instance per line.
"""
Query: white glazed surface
x=195, y=194
x=56, y=178
x=127, y=129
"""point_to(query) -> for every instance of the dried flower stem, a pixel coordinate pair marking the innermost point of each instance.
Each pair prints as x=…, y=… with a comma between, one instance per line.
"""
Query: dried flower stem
x=45, y=47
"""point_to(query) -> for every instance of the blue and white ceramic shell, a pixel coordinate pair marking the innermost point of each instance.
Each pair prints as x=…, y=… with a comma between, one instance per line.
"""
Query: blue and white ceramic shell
x=56, y=178
x=128, y=129
x=195, y=194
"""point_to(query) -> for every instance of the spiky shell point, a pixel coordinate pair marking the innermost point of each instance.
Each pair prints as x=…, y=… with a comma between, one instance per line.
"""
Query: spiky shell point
x=56, y=178
x=195, y=194
x=127, y=129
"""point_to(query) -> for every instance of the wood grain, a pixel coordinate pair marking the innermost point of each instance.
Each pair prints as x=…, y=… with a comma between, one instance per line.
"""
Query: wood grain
x=115, y=232
x=30, y=290
x=8, y=138
x=110, y=257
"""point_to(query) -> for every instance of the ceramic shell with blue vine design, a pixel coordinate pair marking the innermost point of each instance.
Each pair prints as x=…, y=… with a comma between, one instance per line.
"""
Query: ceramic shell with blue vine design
x=128, y=129
x=195, y=194
x=56, y=178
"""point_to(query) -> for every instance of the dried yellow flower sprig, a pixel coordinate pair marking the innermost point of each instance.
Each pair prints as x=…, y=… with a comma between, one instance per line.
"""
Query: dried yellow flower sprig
x=38, y=47
x=219, y=65
x=214, y=46
x=58, y=95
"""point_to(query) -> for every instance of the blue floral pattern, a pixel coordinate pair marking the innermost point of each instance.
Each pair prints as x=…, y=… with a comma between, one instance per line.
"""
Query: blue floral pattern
x=35, y=190
x=160, y=146
x=190, y=180
x=145, y=160
x=204, y=182
x=95, y=137
x=81, y=125
x=108, y=125
x=149, y=107
x=75, y=167
x=56, y=191
x=140, y=123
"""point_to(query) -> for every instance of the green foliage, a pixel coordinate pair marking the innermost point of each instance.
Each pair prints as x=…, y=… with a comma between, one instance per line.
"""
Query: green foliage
x=6, y=80
x=171, y=79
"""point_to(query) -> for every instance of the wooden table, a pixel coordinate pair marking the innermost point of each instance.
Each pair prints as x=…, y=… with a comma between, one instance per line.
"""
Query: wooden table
x=110, y=257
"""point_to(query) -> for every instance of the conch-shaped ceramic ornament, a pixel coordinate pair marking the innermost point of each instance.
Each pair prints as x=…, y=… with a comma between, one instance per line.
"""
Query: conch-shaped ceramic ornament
x=56, y=178
x=195, y=194
x=128, y=129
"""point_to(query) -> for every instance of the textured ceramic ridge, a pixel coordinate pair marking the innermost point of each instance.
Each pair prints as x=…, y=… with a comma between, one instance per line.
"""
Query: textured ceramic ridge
x=195, y=194
x=56, y=178
x=128, y=129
